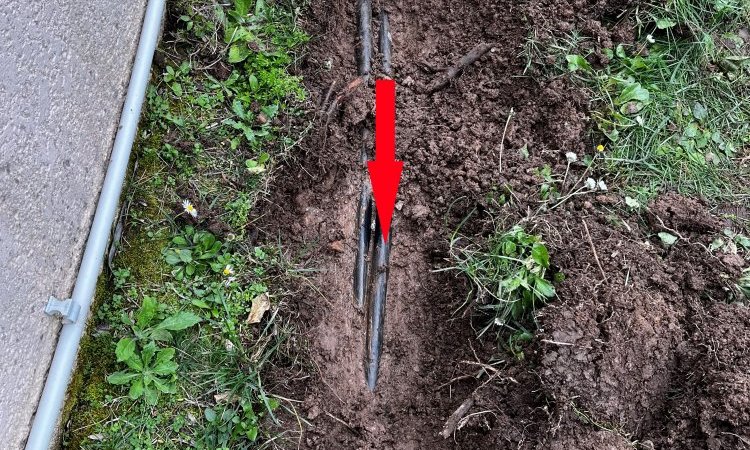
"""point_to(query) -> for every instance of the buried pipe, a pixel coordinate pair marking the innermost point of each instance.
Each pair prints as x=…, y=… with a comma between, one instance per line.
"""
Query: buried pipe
x=378, y=286
x=365, y=37
x=384, y=38
x=376, y=308
x=364, y=225
x=63, y=362
x=364, y=208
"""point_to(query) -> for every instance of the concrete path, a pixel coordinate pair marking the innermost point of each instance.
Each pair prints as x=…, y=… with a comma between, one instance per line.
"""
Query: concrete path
x=64, y=68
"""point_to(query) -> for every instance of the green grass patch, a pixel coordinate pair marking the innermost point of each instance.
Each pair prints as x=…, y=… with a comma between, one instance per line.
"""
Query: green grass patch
x=672, y=109
x=187, y=322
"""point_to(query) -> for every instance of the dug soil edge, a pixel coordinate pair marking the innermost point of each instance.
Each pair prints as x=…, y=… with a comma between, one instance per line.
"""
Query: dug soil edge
x=635, y=355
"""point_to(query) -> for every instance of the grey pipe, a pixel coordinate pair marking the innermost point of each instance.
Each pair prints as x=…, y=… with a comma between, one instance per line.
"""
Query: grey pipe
x=63, y=362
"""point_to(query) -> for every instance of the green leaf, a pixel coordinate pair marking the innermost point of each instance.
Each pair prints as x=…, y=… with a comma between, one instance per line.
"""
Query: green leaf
x=121, y=377
x=238, y=109
x=136, y=389
x=160, y=335
x=177, y=89
x=210, y=414
x=524, y=151
x=273, y=404
x=540, y=255
x=577, y=62
x=135, y=363
x=200, y=303
x=665, y=23
x=151, y=395
x=167, y=388
x=242, y=7
x=544, y=287
x=633, y=92
x=743, y=241
x=147, y=311
x=165, y=368
x=260, y=7
x=699, y=111
x=185, y=255
x=171, y=257
x=620, y=51
x=125, y=349
x=667, y=239
x=252, y=433
x=238, y=52
x=179, y=321
x=164, y=364
x=180, y=240
x=716, y=244
x=148, y=353
x=691, y=130
x=511, y=284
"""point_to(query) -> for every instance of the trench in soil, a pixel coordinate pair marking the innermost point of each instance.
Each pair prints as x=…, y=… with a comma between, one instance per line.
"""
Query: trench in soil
x=635, y=336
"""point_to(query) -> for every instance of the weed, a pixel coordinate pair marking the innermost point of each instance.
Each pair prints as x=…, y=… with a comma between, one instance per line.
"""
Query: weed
x=508, y=274
x=195, y=252
x=148, y=366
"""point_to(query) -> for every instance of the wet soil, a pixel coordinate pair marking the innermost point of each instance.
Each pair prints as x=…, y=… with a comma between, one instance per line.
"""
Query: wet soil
x=639, y=350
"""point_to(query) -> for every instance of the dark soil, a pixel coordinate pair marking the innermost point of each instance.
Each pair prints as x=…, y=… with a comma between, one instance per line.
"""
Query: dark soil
x=646, y=354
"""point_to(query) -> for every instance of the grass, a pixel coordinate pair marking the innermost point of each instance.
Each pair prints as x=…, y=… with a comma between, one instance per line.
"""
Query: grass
x=188, y=322
x=672, y=109
x=510, y=276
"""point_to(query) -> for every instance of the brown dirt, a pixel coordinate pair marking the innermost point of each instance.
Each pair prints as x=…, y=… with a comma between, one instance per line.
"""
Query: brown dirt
x=647, y=356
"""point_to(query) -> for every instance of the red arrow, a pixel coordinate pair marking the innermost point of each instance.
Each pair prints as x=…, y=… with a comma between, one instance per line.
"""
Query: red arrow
x=385, y=171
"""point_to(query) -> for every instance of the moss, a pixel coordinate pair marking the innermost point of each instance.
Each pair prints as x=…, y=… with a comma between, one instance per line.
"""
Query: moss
x=88, y=388
x=142, y=251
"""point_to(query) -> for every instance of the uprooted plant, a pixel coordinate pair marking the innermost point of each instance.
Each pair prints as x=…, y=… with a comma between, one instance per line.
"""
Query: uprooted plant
x=508, y=273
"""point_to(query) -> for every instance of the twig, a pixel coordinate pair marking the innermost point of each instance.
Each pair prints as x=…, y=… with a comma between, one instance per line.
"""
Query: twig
x=452, y=423
x=744, y=441
x=342, y=422
x=557, y=343
x=593, y=250
x=465, y=61
x=328, y=95
x=347, y=91
x=502, y=140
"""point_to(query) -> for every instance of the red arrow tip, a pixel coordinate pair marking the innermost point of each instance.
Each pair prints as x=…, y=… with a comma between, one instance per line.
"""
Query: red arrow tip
x=385, y=177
